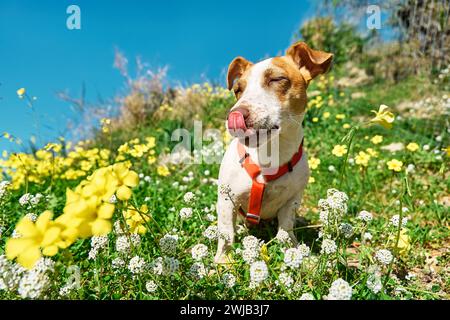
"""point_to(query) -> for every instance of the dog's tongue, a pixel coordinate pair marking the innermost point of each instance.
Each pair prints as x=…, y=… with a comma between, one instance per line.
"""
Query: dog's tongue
x=236, y=122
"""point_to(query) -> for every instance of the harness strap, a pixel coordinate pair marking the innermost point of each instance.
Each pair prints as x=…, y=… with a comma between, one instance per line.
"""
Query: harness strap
x=253, y=214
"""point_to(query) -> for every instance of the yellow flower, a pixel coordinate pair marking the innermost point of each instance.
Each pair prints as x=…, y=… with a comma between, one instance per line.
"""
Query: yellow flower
x=326, y=115
x=21, y=92
x=163, y=171
x=313, y=163
x=346, y=126
x=403, y=241
x=127, y=179
x=265, y=253
x=339, y=150
x=412, y=147
x=372, y=152
x=362, y=159
x=340, y=116
x=136, y=220
x=315, y=119
x=44, y=234
x=395, y=165
x=383, y=117
x=447, y=150
x=377, y=139
x=151, y=142
x=311, y=180
x=151, y=160
x=53, y=146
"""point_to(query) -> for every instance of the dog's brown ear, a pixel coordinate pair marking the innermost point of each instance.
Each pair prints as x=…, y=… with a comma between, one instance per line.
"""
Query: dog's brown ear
x=235, y=70
x=311, y=62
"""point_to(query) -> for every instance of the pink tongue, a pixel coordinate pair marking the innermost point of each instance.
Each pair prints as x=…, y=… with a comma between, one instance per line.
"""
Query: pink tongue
x=236, y=122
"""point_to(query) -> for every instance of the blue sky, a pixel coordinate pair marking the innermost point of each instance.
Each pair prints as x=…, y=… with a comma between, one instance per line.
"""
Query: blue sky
x=195, y=39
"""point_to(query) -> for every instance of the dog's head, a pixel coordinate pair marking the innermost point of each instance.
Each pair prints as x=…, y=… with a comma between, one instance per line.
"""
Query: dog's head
x=271, y=94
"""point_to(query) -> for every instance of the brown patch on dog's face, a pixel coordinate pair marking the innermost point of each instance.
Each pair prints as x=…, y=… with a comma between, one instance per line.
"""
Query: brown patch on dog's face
x=288, y=83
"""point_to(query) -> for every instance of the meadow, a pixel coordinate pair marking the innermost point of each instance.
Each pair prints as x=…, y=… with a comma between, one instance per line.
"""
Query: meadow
x=121, y=215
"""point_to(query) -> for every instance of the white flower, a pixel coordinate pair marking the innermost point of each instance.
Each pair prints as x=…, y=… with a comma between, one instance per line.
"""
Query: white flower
x=365, y=216
x=211, y=233
x=384, y=256
x=197, y=270
x=135, y=239
x=122, y=244
x=113, y=199
x=283, y=236
x=229, y=280
x=258, y=272
x=307, y=296
x=151, y=286
x=285, y=279
x=3, y=188
x=340, y=290
x=206, y=172
x=92, y=255
x=168, y=244
x=118, y=263
x=410, y=168
x=31, y=216
x=410, y=276
x=374, y=283
x=328, y=246
x=250, y=255
x=186, y=213
x=426, y=147
x=303, y=249
x=189, y=197
x=136, y=265
x=36, y=199
x=331, y=168
x=10, y=274
x=346, y=229
x=118, y=228
x=25, y=199
x=293, y=258
x=210, y=217
x=165, y=266
x=99, y=242
x=367, y=236
x=250, y=242
x=35, y=282
x=199, y=251
x=395, y=220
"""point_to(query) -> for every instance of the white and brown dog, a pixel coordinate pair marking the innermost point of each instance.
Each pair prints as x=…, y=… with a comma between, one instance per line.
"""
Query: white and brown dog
x=271, y=99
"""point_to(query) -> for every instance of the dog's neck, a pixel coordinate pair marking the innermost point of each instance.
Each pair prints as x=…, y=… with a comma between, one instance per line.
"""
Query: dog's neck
x=286, y=143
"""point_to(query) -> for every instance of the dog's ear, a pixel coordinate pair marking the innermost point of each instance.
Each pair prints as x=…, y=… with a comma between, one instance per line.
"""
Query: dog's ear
x=235, y=70
x=311, y=62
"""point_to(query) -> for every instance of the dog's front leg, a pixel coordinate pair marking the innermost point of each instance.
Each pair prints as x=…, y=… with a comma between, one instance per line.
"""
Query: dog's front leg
x=226, y=222
x=286, y=218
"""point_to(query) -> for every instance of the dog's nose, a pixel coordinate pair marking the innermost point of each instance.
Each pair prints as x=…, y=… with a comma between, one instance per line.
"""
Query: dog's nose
x=236, y=120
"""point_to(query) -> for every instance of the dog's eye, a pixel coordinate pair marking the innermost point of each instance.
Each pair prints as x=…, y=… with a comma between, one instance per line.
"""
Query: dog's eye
x=278, y=79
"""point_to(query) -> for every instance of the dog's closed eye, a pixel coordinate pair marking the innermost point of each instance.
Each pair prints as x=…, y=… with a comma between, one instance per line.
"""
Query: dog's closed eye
x=278, y=80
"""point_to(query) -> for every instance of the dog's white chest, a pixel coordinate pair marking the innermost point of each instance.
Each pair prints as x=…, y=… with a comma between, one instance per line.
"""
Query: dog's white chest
x=276, y=193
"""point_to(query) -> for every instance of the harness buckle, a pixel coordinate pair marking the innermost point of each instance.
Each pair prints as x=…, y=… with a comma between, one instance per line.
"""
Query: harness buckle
x=253, y=216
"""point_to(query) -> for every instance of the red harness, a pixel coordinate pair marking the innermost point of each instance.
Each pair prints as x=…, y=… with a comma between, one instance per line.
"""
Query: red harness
x=253, y=214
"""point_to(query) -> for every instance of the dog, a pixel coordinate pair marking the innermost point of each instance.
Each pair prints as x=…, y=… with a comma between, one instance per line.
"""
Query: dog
x=267, y=118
